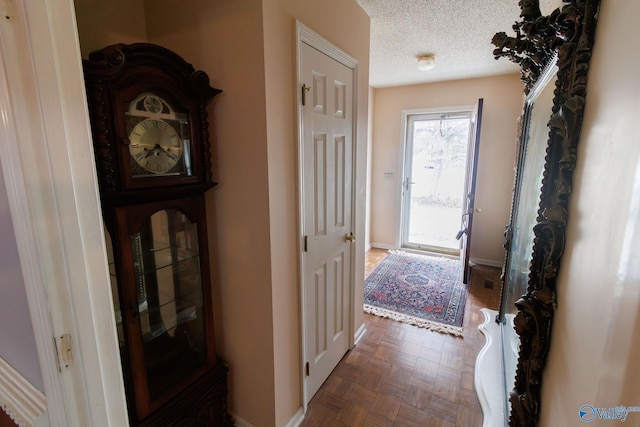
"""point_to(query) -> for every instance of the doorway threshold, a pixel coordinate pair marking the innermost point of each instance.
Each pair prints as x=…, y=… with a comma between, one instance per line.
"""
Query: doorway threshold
x=432, y=251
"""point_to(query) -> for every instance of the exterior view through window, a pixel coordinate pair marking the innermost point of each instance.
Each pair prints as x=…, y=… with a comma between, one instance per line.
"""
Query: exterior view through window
x=435, y=174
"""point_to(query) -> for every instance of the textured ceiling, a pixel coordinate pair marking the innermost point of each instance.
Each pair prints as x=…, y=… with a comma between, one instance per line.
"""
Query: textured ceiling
x=458, y=32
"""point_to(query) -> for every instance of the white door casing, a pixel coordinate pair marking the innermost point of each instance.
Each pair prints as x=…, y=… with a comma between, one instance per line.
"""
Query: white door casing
x=326, y=158
x=53, y=195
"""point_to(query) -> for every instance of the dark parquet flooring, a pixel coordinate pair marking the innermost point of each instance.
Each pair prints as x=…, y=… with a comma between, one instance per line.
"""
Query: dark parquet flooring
x=401, y=375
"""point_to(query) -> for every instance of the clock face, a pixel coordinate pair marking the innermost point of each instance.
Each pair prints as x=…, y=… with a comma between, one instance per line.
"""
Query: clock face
x=155, y=146
x=158, y=138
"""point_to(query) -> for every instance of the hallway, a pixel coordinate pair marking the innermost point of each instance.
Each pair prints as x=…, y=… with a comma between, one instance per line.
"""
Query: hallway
x=401, y=375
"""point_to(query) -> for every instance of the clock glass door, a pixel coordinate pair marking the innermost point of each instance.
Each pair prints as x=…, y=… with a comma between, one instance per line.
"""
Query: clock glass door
x=158, y=138
x=114, y=288
x=169, y=299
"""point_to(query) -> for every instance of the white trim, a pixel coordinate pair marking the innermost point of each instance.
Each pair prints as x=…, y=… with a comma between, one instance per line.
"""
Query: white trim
x=436, y=110
x=24, y=403
x=307, y=36
x=297, y=418
x=362, y=330
x=55, y=207
x=310, y=37
x=486, y=262
x=239, y=421
x=489, y=372
x=295, y=421
x=383, y=246
x=13, y=40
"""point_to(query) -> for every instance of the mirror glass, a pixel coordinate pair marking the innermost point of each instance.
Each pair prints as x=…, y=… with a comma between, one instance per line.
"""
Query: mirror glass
x=553, y=52
x=530, y=167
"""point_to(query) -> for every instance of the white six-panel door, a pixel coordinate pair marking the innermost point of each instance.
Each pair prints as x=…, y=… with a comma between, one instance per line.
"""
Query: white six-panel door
x=327, y=163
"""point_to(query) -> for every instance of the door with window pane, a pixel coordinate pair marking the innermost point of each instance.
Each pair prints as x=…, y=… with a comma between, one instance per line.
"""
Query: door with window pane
x=434, y=183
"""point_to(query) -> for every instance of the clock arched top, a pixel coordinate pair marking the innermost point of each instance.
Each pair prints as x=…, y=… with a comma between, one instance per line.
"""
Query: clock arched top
x=128, y=84
x=147, y=104
x=121, y=61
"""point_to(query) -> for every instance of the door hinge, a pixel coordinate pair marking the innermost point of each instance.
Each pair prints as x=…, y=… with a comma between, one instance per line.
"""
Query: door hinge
x=305, y=89
x=64, y=351
x=305, y=243
x=306, y=368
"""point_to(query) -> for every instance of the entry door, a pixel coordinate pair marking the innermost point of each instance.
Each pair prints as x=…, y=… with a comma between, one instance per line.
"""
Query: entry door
x=467, y=215
x=435, y=170
x=327, y=156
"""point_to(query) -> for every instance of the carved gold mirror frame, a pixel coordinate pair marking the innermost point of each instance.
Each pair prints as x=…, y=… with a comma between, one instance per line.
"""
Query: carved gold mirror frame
x=568, y=35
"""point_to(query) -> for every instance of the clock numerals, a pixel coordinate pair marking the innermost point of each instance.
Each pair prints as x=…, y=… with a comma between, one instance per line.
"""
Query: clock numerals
x=155, y=146
x=173, y=155
x=139, y=156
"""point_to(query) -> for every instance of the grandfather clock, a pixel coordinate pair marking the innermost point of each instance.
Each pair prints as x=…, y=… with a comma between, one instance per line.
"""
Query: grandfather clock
x=147, y=108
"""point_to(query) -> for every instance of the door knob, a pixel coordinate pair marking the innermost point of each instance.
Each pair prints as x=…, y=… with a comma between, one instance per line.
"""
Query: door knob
x=350, y=238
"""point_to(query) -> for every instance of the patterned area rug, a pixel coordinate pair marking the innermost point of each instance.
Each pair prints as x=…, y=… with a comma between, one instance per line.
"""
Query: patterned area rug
x=423, y=291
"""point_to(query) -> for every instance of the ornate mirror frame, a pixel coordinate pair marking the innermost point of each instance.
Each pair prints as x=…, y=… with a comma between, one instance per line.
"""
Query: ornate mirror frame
x=567, y=32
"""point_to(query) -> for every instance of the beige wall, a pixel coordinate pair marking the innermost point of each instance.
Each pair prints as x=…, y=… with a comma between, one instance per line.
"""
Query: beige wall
x=225, y=40
x=346, y=25
x=101, y=23
x=503, y=101
x=247, y=47
x=595, y=345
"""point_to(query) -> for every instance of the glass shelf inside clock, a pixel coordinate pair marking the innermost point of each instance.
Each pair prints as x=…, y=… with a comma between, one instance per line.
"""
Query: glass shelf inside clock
x=162, y=255
x=167, y=317
x=169, y=296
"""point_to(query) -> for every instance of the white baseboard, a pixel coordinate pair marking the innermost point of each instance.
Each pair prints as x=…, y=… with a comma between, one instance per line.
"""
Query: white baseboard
x=297, y=418
x=295, y=421
x=239, y=422
x=24, y=403
x=486, y=262
x=382, y=246
x=359, y=334
x=489, y=372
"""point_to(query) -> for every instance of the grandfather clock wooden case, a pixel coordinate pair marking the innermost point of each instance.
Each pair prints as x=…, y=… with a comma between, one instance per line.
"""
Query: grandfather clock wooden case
x=147, y=108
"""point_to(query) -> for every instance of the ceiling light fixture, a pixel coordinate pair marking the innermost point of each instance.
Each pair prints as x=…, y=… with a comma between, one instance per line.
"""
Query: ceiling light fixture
x=426, y=62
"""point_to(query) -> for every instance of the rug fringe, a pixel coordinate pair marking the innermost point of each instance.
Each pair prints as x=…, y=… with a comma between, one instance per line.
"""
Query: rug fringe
x=398, y=252
x=421, y=323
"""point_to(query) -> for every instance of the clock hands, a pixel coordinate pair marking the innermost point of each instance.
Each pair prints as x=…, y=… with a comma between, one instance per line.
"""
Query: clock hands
x=155, y=145
x=157, y=150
